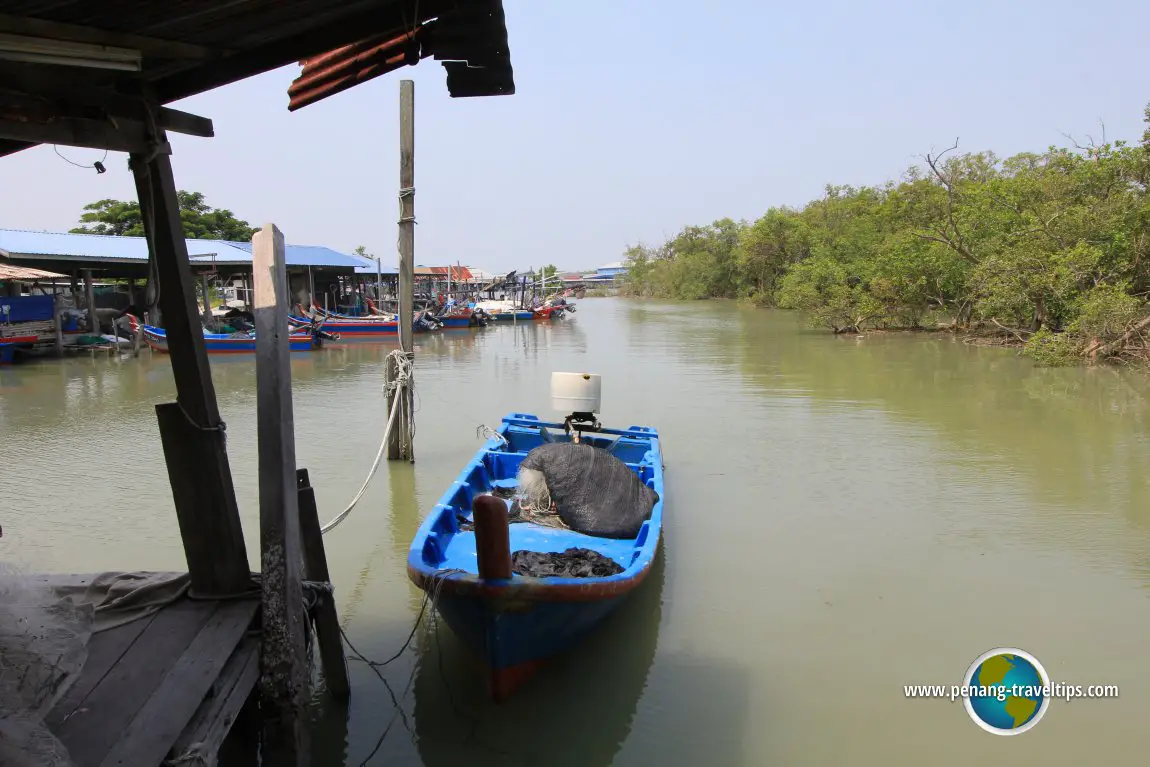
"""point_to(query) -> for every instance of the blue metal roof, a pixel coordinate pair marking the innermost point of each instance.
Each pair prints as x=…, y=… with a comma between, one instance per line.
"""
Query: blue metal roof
x=99, y=247
x=370, y=270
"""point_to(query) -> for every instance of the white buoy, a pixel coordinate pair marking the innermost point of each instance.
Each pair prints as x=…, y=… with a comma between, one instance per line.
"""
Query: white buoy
x=576, y=392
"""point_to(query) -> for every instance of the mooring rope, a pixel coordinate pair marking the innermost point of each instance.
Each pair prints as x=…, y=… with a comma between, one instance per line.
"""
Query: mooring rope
x=402, y=383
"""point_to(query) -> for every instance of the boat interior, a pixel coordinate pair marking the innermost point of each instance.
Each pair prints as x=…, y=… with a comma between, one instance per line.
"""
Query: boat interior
x=494, y=470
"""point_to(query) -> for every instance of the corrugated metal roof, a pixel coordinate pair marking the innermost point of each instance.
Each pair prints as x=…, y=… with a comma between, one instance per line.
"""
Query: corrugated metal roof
x=92, y=246
x=301, y=255
x=370, y=271
x=100, y=247
x=458, y=273
x=8, y=272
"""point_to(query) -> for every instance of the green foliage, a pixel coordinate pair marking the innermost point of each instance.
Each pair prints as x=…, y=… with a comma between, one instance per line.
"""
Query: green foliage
x=1046, y=245
x=1050, y=349
x=549, y=271
x=200, y=220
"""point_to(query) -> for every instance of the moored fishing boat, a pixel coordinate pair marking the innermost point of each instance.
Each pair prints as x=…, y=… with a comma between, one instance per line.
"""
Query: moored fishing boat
x=243, y=342
x=505, y=311
x=368, y=325
x=543, y=534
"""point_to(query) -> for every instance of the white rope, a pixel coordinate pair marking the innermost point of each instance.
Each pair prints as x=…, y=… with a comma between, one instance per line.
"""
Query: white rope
x=403, y=368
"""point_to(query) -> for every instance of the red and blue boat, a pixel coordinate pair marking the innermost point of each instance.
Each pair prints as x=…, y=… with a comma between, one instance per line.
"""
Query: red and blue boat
x=365, y=326
x=9, y=345
x=513, y=622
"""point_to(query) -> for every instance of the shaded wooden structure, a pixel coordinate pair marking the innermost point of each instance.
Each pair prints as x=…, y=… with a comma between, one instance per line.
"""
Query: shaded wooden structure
x=98, y=73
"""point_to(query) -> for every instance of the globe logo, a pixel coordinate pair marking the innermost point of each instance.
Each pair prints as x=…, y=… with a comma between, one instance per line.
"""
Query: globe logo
x=1009, y=691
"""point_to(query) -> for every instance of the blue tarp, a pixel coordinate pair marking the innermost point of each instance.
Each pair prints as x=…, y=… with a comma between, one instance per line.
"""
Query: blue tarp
x=25, y=308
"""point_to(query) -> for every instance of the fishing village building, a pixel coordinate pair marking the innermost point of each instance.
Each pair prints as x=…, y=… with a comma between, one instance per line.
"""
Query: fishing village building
x=219, y=643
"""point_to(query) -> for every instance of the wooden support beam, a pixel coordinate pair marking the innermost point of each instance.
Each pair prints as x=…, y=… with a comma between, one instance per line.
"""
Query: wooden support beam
x=127, y=136
x=327, y=629
x=399, y=441
x=90, y=300
x=58, y=322
x=58, y=96
x=191, y=428
x=283, y=680
x=204, y=294
x=149, y=46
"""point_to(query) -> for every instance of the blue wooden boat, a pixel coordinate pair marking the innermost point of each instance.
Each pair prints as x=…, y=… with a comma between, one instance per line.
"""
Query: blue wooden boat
x=223, y=343
x=515, y=624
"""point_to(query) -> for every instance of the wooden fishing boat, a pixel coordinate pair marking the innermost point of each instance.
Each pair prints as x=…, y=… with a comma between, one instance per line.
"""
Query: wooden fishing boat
x=461, y=554
x=9, y=344
x=505, y=311
x=458, y=317
x=368, y=325
x=547, y=312
x=225, y=343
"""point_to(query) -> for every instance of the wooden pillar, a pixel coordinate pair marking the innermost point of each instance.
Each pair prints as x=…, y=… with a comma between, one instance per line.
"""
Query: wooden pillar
x=191, y=430
x=315, y=569
x=90, y=299
x=399, y=442
x=132, y=291
x=283, y=678
x=58, y=323
x=204, y=294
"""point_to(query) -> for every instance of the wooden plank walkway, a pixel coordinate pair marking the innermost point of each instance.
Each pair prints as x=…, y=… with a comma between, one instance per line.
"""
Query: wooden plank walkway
x=153, y=687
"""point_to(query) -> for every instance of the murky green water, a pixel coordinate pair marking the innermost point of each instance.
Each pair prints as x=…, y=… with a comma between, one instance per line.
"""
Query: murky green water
x=845, y=517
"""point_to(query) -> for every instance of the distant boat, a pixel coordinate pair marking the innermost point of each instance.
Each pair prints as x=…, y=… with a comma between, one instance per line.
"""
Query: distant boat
x=369, y=325
x=505, y=311
x=226, y=343
x=515, y=624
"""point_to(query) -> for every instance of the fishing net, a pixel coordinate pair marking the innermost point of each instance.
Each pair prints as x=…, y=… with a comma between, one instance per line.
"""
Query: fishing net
x=590, y=490
x=572, y=563
x=43, y=646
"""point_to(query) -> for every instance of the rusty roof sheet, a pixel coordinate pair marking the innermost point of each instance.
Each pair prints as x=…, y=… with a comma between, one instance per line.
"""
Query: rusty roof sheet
x=468, y=36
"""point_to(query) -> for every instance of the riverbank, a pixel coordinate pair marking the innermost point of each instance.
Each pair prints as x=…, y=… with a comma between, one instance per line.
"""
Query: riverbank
x=1129, y=347
x=1050, y=247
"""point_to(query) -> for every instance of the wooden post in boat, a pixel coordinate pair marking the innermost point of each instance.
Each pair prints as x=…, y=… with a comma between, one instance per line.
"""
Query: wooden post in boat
x=283, y=678
x=399, y=445
x=315, y=570
x=90, y=299
x=191, y=430
x=492, y=537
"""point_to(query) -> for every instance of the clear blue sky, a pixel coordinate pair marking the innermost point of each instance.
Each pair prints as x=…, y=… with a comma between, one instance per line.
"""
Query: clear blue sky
x=634, y=118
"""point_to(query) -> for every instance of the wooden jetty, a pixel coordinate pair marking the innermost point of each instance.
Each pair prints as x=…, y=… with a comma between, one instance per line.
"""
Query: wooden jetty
x=164, y=687
x=171, y=685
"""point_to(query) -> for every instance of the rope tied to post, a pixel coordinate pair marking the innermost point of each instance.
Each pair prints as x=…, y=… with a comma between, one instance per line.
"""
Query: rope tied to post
x=221, y=427
x=404, y=193
x=404, y=367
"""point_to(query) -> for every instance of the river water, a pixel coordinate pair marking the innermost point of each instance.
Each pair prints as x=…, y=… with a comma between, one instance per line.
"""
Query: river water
x=844, y=517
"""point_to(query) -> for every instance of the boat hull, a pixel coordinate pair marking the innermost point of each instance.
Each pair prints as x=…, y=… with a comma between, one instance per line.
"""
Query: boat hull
x=513, y=316
x=159, y=342
x=514, y=626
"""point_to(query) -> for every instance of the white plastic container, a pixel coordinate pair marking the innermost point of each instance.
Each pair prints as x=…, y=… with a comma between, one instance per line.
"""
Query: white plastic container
x=576, y=392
